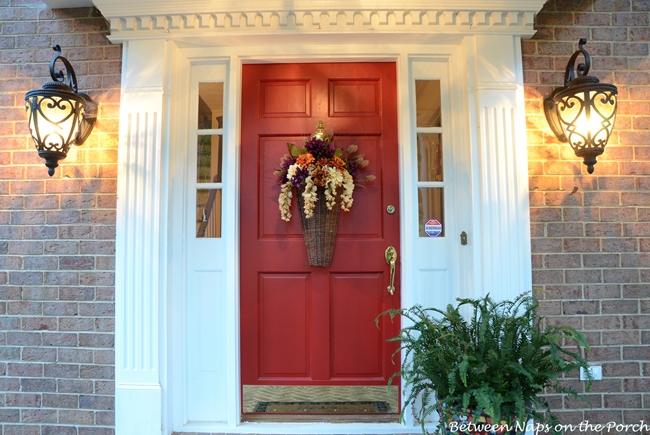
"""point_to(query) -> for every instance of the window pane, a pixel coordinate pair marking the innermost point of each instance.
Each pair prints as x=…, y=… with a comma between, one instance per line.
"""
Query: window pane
x=208, y=213
x=210, y=105
x=429, y=157
x=427, y=103
x=208, y=159
x=431, y=204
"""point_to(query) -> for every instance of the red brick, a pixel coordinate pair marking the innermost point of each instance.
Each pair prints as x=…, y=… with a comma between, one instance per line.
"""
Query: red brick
x=635, y=260
x=618, y=338
x=599, y=353
x=545, y=214
x=631, y=19
x=636, y=322
x=617, y=214
x=580, y=214
x=565, y=230
x=98, y=372
x=623, y=401
x=637, y=384
x=601, y=260
x=39, y=232
x=61, y=247
x=39, y=324
x=30, y=400
x=612, y=5
x=636, y=230
x=60, y=309
x=76, y=417
x=564, y=199
x=609, y=229
x=563, y=291
x=563, y=261
x=621, y=275
x=580, y=307
x=636, y=291
x=41, y=202
x=78, y=386
x=25, y=369
x=546, y=245
x=581, y=245
x=24, y=307
x=620, y=245
x=602, y=198
x=620, y=307
x=39, y=354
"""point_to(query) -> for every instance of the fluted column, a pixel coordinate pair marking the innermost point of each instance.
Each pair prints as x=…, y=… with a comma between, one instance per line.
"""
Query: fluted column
x=501, y=165
x=140, y=240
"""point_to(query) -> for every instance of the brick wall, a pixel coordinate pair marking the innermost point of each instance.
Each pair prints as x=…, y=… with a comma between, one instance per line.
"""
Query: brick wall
x=56, y=234
x=591, y=247
x=591, y=233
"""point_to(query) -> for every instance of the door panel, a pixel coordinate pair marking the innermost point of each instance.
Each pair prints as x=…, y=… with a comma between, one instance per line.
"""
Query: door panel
x=303, y=325
x=355, y=340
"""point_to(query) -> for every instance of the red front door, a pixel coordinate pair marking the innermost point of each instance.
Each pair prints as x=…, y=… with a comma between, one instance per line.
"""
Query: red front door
x=303, y=325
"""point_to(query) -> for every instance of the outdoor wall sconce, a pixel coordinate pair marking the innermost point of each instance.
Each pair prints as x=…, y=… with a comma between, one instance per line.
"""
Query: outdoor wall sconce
x=59, y=115
x=583, y=111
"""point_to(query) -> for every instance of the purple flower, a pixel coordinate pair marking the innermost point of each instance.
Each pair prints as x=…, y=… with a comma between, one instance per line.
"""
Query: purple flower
x=320, y=149
x=353, y=168
x=299, y=179
x=287, y=160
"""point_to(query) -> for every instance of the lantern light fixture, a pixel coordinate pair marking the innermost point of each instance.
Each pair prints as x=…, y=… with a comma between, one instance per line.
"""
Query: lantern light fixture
x=582, y=112
x=59, y=115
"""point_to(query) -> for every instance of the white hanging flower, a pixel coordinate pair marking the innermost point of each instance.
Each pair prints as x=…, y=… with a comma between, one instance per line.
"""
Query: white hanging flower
x=285, y=201
x=334, y=180
x=348, y=189
x=291, y=172
x=309, y=196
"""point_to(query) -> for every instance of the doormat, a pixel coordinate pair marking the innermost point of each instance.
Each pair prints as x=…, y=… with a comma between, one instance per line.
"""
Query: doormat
x=323, y=407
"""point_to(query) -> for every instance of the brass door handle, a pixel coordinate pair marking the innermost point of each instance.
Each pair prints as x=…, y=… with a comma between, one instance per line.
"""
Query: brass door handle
x=391, y=258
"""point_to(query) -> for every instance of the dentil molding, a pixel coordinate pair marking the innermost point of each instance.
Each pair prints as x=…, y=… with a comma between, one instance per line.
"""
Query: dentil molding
x=150, y=18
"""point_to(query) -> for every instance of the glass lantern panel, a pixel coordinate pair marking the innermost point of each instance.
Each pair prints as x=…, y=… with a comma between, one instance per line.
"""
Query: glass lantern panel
x=54, y=122
x=210, y=106
x=208, y=213
x=431, y=211
x=427, y=103
x=209, y=153
x=429, y=157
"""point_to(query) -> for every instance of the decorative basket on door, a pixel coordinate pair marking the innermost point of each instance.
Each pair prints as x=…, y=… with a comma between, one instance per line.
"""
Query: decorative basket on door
x=323, y=177
x=320, y=230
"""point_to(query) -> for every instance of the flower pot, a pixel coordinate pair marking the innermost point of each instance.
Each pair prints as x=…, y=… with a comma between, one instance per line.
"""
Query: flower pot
x=320, y=229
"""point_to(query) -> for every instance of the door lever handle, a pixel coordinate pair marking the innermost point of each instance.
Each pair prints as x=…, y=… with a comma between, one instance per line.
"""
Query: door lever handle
x=391, y=258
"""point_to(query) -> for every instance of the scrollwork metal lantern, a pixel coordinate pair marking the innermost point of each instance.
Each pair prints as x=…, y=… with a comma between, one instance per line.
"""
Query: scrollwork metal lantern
x=582, y=112
x=59, y=115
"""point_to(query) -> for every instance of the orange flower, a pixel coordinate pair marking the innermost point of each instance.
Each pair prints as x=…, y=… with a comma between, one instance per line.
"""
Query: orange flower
x=322, y=162
x=338, y=163
x=305, y=160
x=320, y=177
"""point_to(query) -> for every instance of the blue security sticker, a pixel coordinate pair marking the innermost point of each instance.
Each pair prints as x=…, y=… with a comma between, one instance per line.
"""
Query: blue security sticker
x=433, y=228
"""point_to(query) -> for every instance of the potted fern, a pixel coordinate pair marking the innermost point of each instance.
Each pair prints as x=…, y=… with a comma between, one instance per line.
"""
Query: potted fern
x=489, y=367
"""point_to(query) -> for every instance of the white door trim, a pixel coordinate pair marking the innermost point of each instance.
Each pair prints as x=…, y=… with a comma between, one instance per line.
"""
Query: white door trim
x=488, y=120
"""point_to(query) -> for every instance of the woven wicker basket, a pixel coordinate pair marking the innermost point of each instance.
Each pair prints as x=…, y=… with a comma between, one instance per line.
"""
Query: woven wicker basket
x=320, y=229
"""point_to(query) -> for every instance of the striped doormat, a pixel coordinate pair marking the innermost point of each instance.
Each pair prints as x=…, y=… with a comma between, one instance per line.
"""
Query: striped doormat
x=323, y=407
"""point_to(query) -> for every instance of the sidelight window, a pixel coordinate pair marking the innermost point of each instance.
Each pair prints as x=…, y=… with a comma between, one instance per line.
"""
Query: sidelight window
x=429, y=158
x=209, y=160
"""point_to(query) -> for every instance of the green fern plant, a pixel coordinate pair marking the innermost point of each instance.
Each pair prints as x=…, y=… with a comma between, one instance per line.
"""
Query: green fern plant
x=495, y=362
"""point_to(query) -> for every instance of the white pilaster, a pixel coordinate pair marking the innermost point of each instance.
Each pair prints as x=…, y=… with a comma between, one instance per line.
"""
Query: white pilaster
x=140, y=240
x=501, y=168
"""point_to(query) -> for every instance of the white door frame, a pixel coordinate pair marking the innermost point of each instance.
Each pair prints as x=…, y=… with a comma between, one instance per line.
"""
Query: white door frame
x=488, y=123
